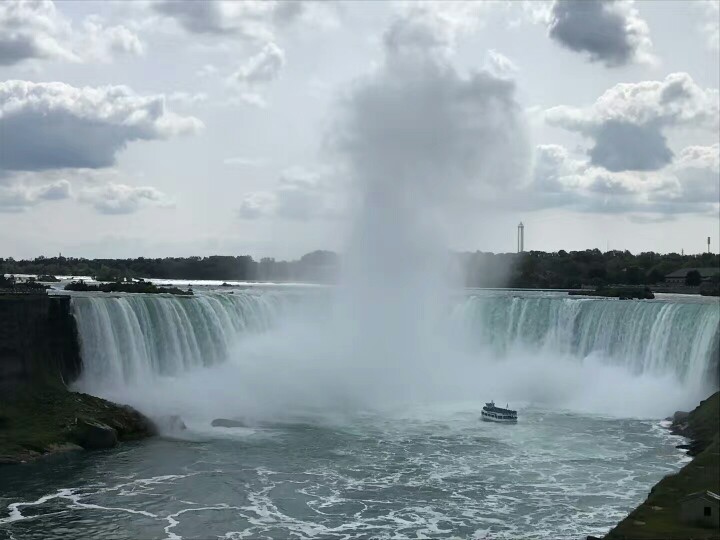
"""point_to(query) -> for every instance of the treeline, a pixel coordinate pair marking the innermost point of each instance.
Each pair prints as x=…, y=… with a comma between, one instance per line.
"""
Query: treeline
x=569, y=270
x=534, y=269
x=318, y=266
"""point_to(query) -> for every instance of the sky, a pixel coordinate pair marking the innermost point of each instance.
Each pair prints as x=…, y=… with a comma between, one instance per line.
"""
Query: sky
x=195, y=128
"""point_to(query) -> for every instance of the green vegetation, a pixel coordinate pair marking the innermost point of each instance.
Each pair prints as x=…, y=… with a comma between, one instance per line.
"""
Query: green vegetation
x=693, y=278
x=534, y=269
x=658, y=516
x=44, y=418
x=140, y=286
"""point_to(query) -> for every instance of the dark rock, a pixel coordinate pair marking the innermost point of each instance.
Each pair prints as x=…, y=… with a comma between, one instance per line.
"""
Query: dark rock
x=680, y=417
x=225, y=422
x=93, y=435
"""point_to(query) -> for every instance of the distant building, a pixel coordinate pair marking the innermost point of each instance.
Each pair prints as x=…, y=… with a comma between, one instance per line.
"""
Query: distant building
x=701, y=508
x=678, y=276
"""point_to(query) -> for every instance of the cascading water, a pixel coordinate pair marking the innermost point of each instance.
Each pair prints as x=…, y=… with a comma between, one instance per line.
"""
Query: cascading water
x=268, y=349
x=658, y=337
x=130, y=338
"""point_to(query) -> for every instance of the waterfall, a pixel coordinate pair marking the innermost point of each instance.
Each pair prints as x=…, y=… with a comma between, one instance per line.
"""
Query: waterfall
x=128, y=339
x=655, y=337
x=131, y=338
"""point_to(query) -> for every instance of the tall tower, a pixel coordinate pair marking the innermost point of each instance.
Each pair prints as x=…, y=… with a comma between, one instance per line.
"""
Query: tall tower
x=521, y=238
x=708, y=244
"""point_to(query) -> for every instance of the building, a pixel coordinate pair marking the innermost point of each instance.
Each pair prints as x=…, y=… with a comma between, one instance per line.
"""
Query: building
x=701, y=508
x=678, y=276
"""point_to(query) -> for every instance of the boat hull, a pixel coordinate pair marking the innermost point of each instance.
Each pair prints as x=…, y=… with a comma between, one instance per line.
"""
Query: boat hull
x=497, y=420
x=487, y=418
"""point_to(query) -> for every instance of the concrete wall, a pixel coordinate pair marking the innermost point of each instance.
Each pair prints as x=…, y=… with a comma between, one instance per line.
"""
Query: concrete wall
x=692, y=511
x=38, y=341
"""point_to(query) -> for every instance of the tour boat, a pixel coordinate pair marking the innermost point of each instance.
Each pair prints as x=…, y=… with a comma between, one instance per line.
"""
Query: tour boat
x=491, y=413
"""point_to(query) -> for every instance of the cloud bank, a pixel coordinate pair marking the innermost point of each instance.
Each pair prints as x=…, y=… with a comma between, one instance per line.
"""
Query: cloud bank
x=55, y=125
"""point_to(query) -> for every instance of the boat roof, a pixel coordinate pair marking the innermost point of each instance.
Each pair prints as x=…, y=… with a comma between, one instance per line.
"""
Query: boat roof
x=491, y=406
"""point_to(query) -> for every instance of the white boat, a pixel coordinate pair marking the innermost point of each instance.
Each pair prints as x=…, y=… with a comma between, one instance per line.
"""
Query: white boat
x=491, y=413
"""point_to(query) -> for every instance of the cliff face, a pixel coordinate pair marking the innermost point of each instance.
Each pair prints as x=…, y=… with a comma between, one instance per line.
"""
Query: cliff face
x=38, y=342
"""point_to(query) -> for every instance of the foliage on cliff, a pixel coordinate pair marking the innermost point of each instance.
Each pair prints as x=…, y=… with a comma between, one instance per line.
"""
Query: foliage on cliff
x=43, y=419
x=126, y=287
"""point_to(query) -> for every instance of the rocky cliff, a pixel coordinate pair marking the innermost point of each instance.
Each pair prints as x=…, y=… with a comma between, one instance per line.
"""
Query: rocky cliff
x=39, y=357
x=38, y=342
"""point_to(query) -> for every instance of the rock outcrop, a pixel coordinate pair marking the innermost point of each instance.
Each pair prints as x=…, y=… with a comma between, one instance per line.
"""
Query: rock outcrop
x=38, y=342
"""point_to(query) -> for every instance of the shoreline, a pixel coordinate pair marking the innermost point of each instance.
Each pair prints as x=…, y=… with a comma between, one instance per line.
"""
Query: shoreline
x=658, y=517
x=50, y=419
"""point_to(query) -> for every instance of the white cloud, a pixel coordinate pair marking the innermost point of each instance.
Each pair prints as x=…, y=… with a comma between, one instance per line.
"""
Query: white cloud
x=627, y=123
x=36, y=30
x=187, y=99
x=299, y=195
x=103, y=42
x=261, y=68
x=689, y=185
x=499, y=65
x=711, y=22
x=20, y=196
x=123, y=199
x=243, y=161
x=55, y=125
x=254, y=21
x=608, y=31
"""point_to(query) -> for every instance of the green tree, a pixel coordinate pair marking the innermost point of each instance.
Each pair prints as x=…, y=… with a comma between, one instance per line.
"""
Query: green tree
x=693, y=278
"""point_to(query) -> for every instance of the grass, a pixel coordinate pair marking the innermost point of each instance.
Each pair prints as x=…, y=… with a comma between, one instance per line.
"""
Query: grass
x=41, y=420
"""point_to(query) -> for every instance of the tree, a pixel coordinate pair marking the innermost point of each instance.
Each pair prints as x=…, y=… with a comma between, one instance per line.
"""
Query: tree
x=693, y=278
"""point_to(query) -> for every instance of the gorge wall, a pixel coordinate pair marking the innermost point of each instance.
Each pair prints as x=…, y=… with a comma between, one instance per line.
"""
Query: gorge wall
x=38, y=342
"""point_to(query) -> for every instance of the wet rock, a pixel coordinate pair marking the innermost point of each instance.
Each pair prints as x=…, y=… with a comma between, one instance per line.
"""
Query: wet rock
x=226, y=422
x=93, y=435
x=680, y=417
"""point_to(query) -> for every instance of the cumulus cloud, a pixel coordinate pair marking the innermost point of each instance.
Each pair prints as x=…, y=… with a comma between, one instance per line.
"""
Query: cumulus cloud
x=37, y=30
x=55, y=125
x=114, y=198
x=690, y=184
x=628, y=121
x=299, y=195
x=608, y=31
x=20, y=196
x=261, y=68
x=499, y=65
x=251, y=21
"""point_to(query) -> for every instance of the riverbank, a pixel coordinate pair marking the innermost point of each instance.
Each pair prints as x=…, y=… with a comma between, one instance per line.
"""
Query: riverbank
x=49, y=419
x=659, y=516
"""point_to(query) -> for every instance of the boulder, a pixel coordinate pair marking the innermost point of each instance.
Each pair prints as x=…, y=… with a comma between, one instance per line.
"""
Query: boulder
x=93, y=435
x=226, y=422
x=680, y=416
